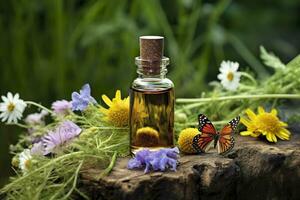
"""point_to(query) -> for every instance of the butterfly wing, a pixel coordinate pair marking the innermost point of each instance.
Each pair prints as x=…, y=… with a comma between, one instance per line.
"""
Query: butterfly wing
x=202, y=142
x=226, y=140
x=205, y=125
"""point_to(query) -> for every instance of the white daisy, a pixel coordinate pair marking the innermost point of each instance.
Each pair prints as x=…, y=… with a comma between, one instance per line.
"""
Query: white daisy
x=229, y=76
x=25, y=160
x=11, y=108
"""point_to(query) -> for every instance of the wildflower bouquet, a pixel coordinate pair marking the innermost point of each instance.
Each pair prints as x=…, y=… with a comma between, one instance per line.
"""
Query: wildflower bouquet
x=60, y=142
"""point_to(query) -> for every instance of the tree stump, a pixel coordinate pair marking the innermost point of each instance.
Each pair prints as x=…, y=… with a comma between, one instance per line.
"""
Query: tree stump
x=255, y=169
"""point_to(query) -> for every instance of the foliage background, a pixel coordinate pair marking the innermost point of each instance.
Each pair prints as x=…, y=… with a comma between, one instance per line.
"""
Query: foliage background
x=50, y=48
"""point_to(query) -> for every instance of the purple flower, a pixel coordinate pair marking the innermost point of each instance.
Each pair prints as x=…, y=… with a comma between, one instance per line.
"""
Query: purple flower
x=36, y=118
x=157, y=160
x=37, y=149
x=60, y=136
x=61, y=107
x=82, y=99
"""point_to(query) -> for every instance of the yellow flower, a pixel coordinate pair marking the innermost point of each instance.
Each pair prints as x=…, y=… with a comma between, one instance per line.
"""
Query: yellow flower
x=147, y=137
x=118, y=112
x=185, y=140
x=267, y=124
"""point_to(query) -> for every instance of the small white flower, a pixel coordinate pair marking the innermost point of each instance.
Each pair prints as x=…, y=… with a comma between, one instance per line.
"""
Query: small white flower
x=11, y=108
x=229, y=76
x=25, y=160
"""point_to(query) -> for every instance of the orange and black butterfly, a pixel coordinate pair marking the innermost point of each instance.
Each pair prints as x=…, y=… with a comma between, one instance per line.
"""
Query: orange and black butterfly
x=223, y=140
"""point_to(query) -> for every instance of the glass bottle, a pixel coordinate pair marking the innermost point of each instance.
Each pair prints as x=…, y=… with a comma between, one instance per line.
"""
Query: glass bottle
x=151, y=99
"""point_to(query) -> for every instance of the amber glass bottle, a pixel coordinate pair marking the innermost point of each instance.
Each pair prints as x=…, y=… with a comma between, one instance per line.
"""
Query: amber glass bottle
x=151, y=99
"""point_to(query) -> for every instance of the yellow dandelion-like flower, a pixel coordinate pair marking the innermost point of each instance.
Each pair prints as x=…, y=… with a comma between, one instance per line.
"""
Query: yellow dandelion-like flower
x=185, y=140
x=147, y=137
x=118, y=112
x=264, y=123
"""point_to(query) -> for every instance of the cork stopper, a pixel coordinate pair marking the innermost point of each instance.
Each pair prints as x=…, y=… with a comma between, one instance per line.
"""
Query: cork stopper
x=151, y=48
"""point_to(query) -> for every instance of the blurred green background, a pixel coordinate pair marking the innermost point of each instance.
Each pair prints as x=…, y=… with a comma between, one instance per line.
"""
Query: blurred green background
x=50, y=48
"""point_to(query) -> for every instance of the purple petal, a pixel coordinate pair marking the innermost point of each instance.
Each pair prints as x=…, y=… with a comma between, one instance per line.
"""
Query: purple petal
x=61, y=107
x=92, y=100
x=163, y=163
x=141, y=155
x=173, y=153
x=173, y=164
x=60, y=136
x=37, y=149
x=133, y=163
x=85, y=90
x=82, y=100
x=147, y=168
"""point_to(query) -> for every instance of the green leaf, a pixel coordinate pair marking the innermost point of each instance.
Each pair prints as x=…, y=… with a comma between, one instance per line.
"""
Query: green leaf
x=295, y=62
x=270, y=59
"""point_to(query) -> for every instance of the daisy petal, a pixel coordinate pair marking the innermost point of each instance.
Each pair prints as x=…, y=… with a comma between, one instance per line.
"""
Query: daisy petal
x=234, y=66
x=245, y=122
x=274, y=137
x=16, y=97
x=283, y=124
x=250, y=114
x=106, y=100
x=269, y=137
x=4, y=98
x=245, y=133
x=261, y=110
x=274, y=112
x=9, y=96
x=118, y=95
x=283, y=136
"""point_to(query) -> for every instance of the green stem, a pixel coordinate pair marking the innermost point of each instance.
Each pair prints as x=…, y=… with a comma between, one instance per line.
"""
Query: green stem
x=20, y=125
x=74, y=182
x=249, y=77
x=237, y=97
x=39, y=106
x=110, y=167
x=188, y=107
x=8, y=187
x=112, y=128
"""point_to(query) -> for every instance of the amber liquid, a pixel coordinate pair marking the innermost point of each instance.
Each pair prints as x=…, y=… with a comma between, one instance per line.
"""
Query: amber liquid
x=151, y=119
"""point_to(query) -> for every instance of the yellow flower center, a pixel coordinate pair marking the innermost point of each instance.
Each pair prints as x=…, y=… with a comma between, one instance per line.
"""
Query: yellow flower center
x=230, y=76
x=147, y=137
x=268, y=122
x=11, y=107
x=185, y=140
x=27, y=164
x=118, y=115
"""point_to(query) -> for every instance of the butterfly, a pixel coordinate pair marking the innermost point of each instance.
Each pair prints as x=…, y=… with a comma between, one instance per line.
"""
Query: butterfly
x=223, y=140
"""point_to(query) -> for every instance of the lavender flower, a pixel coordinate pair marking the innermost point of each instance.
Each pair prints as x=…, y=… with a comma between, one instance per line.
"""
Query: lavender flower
x=37, y=149
x=60, y=136
x=36, y=118
x=82, y=99
x=61, y=107
x=157, y=160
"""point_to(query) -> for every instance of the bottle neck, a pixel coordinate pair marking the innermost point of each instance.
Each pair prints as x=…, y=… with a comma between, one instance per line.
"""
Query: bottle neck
x=152, y=69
